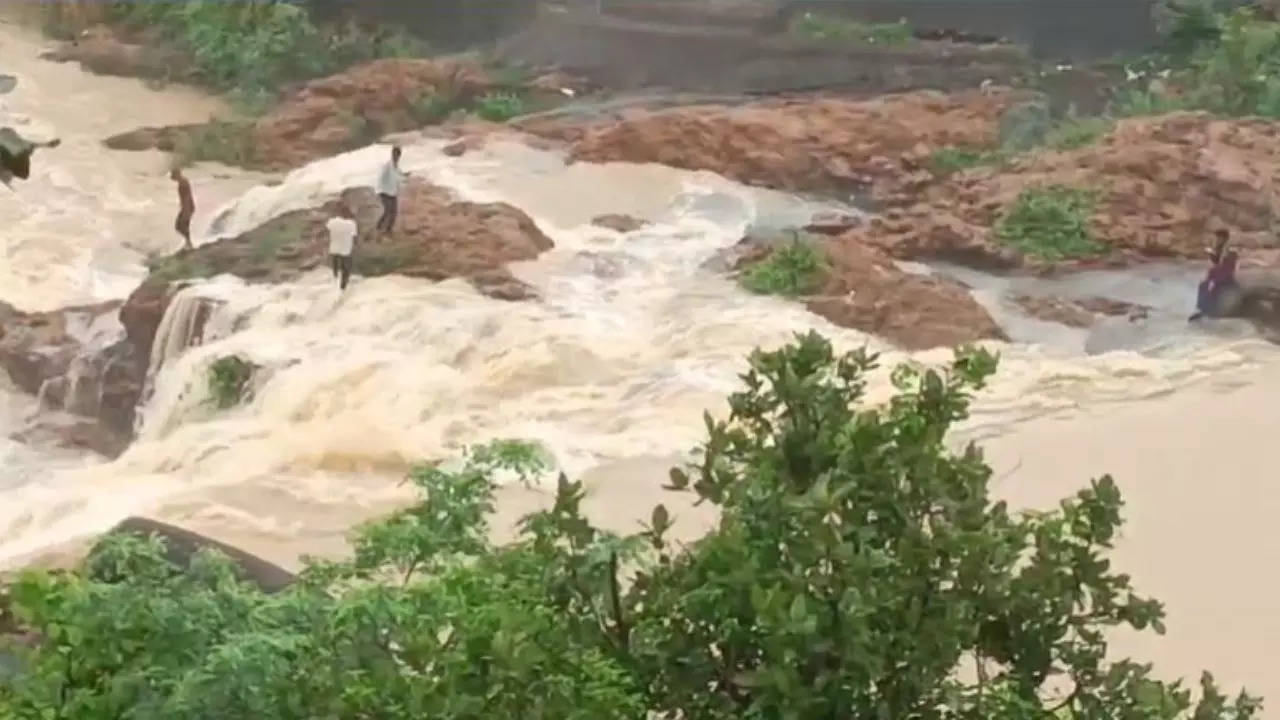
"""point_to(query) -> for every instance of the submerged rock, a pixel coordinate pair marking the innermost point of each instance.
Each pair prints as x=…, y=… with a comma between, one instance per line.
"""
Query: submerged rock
x=1078, y=312
x=619, y=223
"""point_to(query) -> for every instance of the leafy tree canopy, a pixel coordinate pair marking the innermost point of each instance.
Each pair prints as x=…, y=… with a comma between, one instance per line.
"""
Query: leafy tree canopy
x=859, y=570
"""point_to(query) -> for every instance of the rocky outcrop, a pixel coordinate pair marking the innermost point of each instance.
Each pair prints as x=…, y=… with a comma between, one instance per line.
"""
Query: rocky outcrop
x=45, y=355
x=865, y=290
x=862, y=288
x=181, y=545
x=358, y=106
x=878, y=148
x=436, y=237
x=1162, y=184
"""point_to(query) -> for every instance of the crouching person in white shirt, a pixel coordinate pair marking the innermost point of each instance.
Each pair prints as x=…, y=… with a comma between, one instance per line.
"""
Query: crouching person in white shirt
x=342, y=240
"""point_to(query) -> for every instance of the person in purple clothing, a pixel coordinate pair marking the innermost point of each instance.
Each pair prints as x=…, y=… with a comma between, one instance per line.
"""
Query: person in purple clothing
x=1221, y=275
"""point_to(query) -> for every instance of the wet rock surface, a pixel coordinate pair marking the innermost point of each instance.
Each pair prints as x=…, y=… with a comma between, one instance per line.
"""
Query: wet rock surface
x=864, y=289
x=44, y=355
x=358, y=106
x=435, y=237
x=875, y=148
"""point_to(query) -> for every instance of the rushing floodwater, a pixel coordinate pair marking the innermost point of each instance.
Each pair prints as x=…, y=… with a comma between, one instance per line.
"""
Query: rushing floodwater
x=611, y=370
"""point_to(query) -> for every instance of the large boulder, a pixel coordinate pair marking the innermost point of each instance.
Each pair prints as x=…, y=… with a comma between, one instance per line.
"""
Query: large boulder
x=866, y=290
x=863, y=288
x=181, y=545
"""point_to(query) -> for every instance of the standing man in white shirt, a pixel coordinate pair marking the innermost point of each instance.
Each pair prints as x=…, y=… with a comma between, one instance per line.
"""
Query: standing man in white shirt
x=389, y=191
x=342, y=240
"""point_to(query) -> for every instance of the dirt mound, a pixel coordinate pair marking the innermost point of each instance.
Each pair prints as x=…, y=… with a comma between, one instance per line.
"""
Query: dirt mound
x=877, y=147
x=336, y=113
x=1163, y=184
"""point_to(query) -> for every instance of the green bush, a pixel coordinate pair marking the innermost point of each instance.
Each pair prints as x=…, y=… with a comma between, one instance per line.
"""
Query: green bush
x=859, y=569
x=829, y=28
x=1224, y=63
x=1050, y=223
x=228, y=381
x=499, y=107
x=793, y=269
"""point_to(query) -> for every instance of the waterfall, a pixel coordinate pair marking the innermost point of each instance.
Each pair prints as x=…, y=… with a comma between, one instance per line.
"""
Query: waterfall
x=178, y=328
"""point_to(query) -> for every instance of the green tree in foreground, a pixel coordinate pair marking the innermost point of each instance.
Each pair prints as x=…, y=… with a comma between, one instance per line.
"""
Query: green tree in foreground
x=859, y=570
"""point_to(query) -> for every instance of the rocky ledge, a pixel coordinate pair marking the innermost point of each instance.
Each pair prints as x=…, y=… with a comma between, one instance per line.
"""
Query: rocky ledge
x=878, y=149
x=350, y=109
x=436, y=237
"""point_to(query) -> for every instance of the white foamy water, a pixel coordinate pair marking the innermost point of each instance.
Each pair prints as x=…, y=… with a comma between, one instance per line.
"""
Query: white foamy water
x=610, y=370
x=629, y=344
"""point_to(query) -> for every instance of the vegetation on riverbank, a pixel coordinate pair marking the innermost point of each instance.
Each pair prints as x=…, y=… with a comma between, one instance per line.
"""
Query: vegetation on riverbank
x=792, y=269
x=836, y=584
x=1050, y=223
x=829, y=28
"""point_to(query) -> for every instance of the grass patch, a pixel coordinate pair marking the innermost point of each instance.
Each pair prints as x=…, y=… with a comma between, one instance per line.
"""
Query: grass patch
x=790, y=270
x=268, y=245
x=953, y=159
x=817, y=26
x=374, y=260
x=500, y=106
x=1069, y=134
x=227, y=142
x=228, y=380
x=1051, y=223
x=180, y=266
x=1075, y=133
x=432, y=108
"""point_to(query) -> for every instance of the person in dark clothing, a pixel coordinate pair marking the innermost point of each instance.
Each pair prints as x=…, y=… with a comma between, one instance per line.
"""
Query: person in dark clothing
x=389, y=180
x=186, y=207
x=1220, y=277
